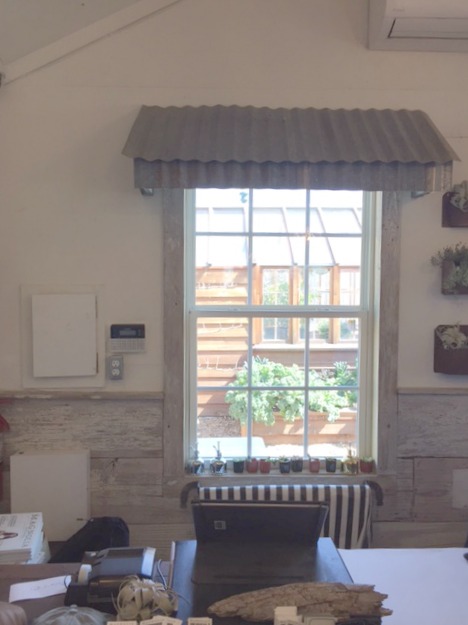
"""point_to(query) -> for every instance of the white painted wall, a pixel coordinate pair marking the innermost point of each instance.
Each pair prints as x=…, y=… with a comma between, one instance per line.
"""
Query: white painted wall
x=69, y=213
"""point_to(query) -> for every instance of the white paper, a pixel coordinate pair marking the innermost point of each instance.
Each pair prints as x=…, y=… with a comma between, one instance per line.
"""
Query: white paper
x=424, y=586
x=39, y=588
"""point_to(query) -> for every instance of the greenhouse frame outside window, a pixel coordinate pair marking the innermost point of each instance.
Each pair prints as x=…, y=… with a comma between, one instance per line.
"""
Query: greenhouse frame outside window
x=281, y=310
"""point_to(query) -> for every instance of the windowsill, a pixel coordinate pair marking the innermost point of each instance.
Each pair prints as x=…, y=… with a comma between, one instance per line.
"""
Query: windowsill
x=275, y=475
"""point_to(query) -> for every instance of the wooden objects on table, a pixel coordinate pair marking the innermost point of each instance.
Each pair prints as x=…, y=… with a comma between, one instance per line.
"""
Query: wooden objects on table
x=312, y=598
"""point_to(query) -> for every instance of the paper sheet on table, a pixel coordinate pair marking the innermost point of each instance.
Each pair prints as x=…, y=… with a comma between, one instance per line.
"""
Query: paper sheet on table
x=424, y=586
x=39, y=588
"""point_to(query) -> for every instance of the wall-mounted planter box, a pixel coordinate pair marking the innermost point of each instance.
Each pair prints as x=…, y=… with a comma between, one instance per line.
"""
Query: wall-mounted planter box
x=448, y=269
x=452, y=216
x=450, y=361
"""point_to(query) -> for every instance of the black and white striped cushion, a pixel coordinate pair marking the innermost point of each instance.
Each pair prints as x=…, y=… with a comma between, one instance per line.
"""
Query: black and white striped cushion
x=349, y=519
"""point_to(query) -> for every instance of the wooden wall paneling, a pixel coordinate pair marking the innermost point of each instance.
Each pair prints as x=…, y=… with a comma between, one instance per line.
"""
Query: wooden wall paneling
x=388, y=348
x=398, y=493
x=433, y=494
x=46, y=424
x=160, y=536
x=173, y=425
x=127, y=471
x=419, y=535
x=433, y=425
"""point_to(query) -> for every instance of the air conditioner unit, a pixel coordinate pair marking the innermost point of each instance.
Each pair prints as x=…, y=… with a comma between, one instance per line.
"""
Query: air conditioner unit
x=424, y=25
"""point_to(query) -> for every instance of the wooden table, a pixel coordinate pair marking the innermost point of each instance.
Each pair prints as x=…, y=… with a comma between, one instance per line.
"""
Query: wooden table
x=196, y=597
x=15, y=573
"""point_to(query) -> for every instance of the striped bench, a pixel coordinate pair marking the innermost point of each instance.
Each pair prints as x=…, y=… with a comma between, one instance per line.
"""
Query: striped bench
x=349, y=521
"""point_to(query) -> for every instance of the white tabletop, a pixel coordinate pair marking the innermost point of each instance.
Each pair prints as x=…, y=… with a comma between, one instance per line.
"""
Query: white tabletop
x=424, y=586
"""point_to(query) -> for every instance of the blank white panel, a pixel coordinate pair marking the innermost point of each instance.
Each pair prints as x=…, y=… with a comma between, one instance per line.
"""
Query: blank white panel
x=64, y=335
x=56, y=484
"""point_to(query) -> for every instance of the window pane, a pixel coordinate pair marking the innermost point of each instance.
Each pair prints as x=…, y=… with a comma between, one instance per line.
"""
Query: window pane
x=276, y=381
x=279, y=197
x=271, y=394
x=228, y=251
x=219, y=285
x=272, y=251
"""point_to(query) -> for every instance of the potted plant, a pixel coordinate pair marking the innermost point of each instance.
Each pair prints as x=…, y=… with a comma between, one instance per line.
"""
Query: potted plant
x=238, y=465
x=265, y=465
x=284, y=464
x=297, y=464
x=451, y=349
x=330, y=465
x=453, y=260
x=455, y=206
x=314, y=465
x=251, y=465
x=366, y=464
x=197, y=465
x=276, y=403
x=351, y=464
x=218, y=465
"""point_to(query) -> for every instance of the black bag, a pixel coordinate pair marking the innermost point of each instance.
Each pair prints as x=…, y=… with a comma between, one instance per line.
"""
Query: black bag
x=98, y=533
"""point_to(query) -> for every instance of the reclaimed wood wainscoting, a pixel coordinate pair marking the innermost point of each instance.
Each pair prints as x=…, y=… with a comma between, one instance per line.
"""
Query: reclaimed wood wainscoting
x=424, y=493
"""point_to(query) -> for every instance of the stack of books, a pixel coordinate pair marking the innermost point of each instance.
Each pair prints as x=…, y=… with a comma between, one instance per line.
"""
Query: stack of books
x=22, y=538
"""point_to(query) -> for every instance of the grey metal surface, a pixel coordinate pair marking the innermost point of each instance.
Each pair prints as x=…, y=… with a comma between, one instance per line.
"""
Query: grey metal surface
x=260, y=135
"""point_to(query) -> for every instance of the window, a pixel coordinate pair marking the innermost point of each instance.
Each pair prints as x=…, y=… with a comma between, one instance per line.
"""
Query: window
x=280, y=310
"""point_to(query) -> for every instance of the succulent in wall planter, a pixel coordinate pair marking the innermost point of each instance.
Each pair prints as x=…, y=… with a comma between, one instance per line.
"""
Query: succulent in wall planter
x=265, y=465
x=297, y=464
x=451, y=349
x=453, y=260
x=455, y=206
x=314, y=465
x=284, y=465
x=238, y=465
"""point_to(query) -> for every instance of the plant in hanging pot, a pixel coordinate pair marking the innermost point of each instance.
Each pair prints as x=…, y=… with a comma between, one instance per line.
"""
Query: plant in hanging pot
x=455, y=206
x=451, y=349
x=453, y=260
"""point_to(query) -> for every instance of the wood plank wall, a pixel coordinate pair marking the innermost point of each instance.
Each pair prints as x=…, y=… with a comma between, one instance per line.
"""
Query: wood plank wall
x=128, y=479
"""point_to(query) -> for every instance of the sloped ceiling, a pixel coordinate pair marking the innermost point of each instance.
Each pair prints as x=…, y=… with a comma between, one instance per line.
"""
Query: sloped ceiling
x=27, y=25
x=36, y=32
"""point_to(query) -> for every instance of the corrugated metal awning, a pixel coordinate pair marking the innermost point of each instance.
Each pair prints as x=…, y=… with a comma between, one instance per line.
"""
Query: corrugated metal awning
x=226, y=146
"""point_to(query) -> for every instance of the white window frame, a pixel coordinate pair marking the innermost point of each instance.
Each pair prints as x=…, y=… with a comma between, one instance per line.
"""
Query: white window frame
x=369, y=333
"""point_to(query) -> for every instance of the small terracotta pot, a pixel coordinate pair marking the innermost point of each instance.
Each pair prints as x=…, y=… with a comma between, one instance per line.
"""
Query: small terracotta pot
x=314, y=465
x=251, y=465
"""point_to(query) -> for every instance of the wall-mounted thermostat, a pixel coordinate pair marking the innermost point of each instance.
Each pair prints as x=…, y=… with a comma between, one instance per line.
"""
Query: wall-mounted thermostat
x=127, y=337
